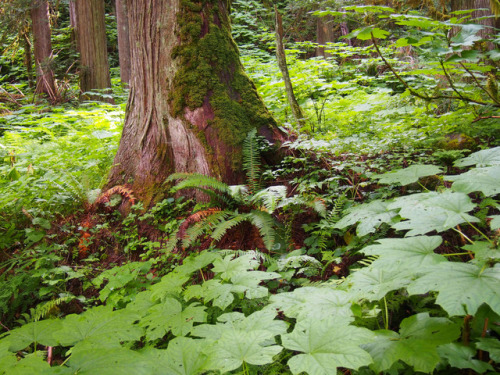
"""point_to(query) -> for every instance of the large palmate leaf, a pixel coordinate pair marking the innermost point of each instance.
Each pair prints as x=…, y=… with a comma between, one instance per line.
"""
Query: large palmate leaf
x=461, y=356
x=236, y=346
x=230, y=266
x=462, y=287
x=35, y=364
x=7, y=358
x=369, y=216
x=99, y=322
x=492, y=346
x=483, y=158
x=108, y=361
x=408, y=175
x=170, y=316
x=410, y=253
x=433, y=211
x=325, y=345
x=313, y=302
x=263, y=320
x=373, y=283
x=416, y=343
x=40, y=332
x=196, y=262
x=169, y=286
x=485, y=180
x=184, y=356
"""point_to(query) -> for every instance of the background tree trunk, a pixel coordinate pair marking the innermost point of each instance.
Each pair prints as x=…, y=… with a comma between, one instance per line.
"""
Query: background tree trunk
x=91, y=28
x=490, y=23
x=191, y=105
x=73, y=21
x=324, y=34
x=123, y=40
x=45, y=82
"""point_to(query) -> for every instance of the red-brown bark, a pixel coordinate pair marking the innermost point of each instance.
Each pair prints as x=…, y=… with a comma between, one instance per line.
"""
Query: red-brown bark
x=191, y=105
x=123, y=40
x=45, y=81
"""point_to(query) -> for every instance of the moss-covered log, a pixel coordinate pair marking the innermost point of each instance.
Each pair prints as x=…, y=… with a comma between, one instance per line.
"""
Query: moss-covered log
x=191, y=104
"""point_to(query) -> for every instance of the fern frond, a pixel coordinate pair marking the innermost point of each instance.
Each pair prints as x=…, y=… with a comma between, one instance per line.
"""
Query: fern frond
x=337, y=209
x=197, y=181
x=270, y=197
x=251, y=161
x=265, y=224
x=368, y=260
x=221, y=229
x=44, y=309
x=202, y=227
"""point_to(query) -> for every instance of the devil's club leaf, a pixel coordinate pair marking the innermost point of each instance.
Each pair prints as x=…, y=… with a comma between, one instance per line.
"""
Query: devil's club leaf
x=485, y=180
x=40, y=332
x=313, y=302
x=109, y=361
x=483, y=158
x=184, y=356
x=411, y=253
x=326, y=345
x=99, y=321
x=370, y=216
x=462, y=287
x=373, y=283
x=169, y=316
x=408, y=175
x=237, y=346
x=461, y=356
x=492, y=346
x=415, y=344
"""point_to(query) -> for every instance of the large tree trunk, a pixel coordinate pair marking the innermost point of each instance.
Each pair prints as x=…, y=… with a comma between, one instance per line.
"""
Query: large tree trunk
x=489, y=23
x=73, y=21
x=91, y=28
x=123, y=40
x=45, y=82
x=324, y=34
x=191, y=105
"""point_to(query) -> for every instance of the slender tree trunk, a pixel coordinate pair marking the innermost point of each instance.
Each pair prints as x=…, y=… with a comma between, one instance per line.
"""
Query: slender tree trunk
x=94, y=66
x=191, y=105
x=73, y=21
x=281, y=57
x=324, y=34
x=45, y=82
x=123, y=40
x=27, y=58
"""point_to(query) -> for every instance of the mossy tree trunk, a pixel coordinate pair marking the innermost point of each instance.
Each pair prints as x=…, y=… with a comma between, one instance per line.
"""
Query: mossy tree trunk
x=123, y=39
x=191, y=105
x=45, y=82
x=92, y=45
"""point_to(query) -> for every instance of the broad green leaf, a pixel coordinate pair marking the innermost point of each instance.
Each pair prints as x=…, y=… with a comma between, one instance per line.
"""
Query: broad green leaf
x=367, y=32
x=467, y=36
x=416, y=343
x=373, y=283
x=370, y=9
x=34, y=364
x=195, y=263
x=40, y=332
x=141, y=302
x=369, y=216
x=483, y=158
x=408, y=175
x=109, y=361
x=485, y=180
x=416, y=21
x=170, y=316
x=248, y=283
x=212, y=290
x=7, y=358
x=483, y=252
x=169, y=286
x=313, y=302
x=495, y=222
x=236, y=346
x=461, y=356
x=184, y=356
x=326, y=345
x=409, y=253
x=462, y=287
x=492, y=346
x=99, y=322
x=262, y=320
x=231, y=266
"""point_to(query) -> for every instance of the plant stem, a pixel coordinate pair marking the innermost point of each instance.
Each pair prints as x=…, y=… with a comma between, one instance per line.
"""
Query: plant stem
x=386, y=316
x=481, y=233
x=455, y=254
x=245, y=369
x=464, y=236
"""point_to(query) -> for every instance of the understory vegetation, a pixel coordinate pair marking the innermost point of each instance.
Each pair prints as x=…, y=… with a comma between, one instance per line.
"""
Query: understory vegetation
x=372, y=247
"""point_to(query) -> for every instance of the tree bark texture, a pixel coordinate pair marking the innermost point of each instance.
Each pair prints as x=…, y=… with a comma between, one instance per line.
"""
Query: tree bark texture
x=123, y=40
x=281, y=57
x=489, y=23
x=73, y=21
x=191, y=105
x=91, y=28
x=324, y=34
x=45, y=82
